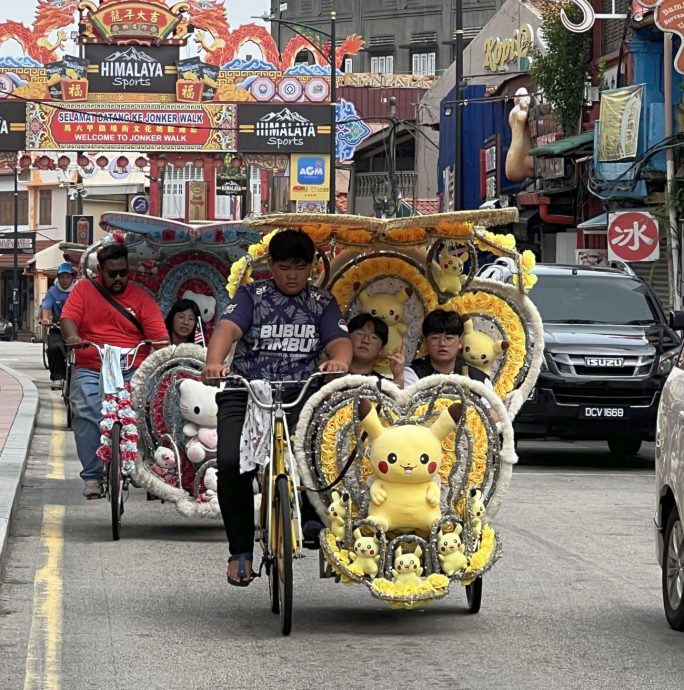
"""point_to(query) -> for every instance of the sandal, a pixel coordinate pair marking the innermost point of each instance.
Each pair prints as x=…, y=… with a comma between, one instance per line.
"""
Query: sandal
x=245, y=575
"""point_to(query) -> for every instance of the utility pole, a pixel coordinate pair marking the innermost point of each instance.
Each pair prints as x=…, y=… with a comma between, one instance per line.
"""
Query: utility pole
x=16, y=306
x=458, y=108
x=392, y=162
x=332, y=204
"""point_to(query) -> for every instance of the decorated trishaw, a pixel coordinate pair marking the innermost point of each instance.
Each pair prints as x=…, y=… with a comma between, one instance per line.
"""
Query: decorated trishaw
x=407, y=481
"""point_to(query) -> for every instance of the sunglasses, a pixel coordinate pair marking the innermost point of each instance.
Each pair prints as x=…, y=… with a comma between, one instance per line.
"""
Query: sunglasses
x=123, y=272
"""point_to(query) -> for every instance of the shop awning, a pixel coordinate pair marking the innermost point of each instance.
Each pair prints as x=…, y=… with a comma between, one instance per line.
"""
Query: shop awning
x=600, y=222
x=47, y=259
x=558, y=148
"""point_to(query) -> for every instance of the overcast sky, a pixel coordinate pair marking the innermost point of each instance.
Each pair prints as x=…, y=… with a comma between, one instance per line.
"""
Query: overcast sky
x=238, y=11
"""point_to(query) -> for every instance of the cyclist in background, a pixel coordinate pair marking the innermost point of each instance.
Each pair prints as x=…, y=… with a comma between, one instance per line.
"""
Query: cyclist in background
x=281, y=326
x=50, y=313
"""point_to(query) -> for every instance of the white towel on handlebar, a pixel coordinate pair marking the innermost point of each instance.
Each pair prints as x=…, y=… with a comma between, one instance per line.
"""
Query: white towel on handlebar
x=255, y=441
x=112, y=376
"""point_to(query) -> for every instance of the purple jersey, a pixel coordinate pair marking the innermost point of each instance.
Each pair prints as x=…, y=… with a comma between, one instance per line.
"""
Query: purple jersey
x=283, y=335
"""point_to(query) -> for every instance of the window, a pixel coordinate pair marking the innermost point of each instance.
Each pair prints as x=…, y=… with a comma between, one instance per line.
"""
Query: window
x=423, y=64
x=7, y=209
x=174, y=188
x=44, y=207
x=304, y=57
x=348, y=65
x=382, y=64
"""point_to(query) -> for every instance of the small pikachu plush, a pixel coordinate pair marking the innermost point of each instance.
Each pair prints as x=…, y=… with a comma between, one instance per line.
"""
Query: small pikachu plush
x=365, y=555
x=450, y=278
x=478, y=511
x=407, y=568
x=450, y=551
x=479, y=350
x=337, y=512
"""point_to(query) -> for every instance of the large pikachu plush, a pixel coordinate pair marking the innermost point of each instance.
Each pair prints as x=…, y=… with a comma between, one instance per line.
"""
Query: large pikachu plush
x=404, y=488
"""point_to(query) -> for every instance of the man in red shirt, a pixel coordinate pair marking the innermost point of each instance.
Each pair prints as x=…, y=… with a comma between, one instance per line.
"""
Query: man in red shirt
x=90, y=316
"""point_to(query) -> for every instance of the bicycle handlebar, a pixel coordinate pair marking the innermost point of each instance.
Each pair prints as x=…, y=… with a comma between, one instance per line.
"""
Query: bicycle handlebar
x=132, y=354
x=305, y=384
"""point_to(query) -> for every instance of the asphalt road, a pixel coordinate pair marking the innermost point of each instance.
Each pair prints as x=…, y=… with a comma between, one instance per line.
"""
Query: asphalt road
x=574, y=601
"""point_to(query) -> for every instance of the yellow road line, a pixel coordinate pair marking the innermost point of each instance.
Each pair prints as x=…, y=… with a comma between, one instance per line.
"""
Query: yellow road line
x=57, y=446
x=44, y=653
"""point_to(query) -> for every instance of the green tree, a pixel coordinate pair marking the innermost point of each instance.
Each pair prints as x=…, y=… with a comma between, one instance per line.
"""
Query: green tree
x=561, y=71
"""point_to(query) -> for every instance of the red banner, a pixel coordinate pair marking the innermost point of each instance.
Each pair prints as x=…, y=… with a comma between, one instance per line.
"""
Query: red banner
x=138, y=127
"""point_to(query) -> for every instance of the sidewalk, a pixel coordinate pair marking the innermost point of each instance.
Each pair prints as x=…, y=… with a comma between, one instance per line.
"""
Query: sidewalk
x=17, y=416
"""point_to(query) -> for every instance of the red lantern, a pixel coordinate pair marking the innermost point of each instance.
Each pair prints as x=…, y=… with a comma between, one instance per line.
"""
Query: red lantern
x=63, y=162
x=122, y=162
x=25, y=161
x=236, y=162
x=43, y=162
x=83, y=161
x=141, y=162
x=102, y=161
x=198, y=162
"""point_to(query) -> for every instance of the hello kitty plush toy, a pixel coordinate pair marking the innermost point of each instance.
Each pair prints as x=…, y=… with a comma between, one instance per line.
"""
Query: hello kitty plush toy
x=198, y=408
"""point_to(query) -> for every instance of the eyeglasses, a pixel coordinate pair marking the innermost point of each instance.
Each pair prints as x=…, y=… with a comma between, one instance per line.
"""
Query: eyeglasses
x=371, y=336
x=123, y=272
x=442, y=338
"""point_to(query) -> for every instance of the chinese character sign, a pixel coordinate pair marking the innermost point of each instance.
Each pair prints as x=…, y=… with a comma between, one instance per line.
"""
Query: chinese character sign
x=633, y=236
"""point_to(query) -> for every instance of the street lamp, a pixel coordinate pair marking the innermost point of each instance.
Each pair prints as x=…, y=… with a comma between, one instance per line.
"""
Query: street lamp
x=330, y=57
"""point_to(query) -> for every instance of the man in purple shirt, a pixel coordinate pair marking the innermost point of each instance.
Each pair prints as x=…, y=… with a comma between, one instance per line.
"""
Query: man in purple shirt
x=280, y=327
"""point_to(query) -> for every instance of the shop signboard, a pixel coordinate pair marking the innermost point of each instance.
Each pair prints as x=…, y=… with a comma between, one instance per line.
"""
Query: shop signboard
x=26, y=243
x=116, y=69
x=80, y=230
x=633, y=236
x=280, y=128
x=131, y=126
x=309, y=177
x=12, y=126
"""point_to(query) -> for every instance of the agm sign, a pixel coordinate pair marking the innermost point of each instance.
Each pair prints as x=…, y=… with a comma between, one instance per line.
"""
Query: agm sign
x=114, y=69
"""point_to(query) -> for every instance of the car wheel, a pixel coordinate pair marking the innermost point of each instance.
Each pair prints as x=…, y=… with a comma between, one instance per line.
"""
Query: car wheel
x=673, y=571
x=625, y=445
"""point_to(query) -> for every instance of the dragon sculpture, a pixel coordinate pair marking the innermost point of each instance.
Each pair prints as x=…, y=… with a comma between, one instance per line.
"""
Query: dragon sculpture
x=221, y=45
x=51, y=15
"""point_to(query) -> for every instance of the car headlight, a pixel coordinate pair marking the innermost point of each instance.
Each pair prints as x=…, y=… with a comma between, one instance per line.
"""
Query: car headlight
x=667, y=361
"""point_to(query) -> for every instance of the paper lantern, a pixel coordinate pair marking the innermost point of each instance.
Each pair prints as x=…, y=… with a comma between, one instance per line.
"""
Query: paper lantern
x=122, y=162
x=25, y=161
x=63, y=162
x=102, y=161
x=141, y=162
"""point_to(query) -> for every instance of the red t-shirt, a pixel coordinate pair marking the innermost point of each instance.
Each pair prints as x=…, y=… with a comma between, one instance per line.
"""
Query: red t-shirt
x=99, y=322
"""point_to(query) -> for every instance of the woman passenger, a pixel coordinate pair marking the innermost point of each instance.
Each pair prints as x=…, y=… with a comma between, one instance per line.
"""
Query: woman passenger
x=181, y=321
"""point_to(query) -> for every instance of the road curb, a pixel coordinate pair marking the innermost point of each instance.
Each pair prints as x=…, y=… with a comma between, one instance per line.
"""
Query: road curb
x=14, y=455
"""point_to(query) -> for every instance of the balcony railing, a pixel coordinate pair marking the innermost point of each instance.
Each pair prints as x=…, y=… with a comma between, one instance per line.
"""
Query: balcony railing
x=377, y=185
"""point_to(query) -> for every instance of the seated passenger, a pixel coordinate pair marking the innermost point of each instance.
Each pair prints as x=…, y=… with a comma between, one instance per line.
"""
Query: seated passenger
x=181, y=321
x=443, y=333
x=369, y=335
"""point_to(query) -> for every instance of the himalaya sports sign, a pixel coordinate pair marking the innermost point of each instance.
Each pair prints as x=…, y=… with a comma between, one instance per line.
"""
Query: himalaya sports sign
x=114, y=69
x=280, y=128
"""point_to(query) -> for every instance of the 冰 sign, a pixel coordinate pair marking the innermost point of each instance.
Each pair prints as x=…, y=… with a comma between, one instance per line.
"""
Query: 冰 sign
x=633, y=236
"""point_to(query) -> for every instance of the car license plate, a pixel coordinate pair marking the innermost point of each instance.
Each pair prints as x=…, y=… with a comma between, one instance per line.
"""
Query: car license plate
x=603, y=412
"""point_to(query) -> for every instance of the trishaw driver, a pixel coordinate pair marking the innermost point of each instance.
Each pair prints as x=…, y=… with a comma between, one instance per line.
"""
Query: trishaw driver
x=281, y=327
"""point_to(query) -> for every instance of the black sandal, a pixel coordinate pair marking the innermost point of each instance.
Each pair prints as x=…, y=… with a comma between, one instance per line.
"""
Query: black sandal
x=244, y=577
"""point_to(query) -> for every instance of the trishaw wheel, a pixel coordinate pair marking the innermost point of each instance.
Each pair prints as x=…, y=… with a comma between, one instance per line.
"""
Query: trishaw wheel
x=474, y=595
x=66, y=389
x=115, y=482
x=282, y=572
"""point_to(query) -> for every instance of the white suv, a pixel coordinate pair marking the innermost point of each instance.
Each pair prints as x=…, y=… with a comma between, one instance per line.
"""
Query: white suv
x=669, y=517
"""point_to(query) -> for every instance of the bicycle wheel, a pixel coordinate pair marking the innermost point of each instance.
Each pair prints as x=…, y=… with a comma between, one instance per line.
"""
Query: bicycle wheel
x=282, y=570
x=44, y=339
x=474, y=595
x=115, y=482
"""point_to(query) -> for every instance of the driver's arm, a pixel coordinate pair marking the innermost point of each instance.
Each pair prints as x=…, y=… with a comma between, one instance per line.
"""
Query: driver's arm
x=70, y=331
x=339, y=353
x=225, y=335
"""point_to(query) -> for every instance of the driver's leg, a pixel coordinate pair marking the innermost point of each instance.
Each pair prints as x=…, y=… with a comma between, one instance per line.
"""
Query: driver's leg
x=86, y=409
x=56, y=354
x=235, y=494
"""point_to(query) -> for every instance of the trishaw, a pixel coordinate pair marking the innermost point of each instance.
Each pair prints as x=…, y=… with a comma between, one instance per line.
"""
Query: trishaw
x=404, y=518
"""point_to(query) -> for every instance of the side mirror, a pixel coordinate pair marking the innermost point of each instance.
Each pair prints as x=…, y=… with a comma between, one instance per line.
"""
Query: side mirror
x=677, y=320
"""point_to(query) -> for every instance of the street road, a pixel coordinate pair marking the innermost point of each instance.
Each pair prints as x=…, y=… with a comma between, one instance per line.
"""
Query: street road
x=574, y=601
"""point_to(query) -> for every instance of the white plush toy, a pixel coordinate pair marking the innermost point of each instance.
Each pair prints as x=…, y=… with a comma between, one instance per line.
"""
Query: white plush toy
x=165, y=465
x=210, y=483
x=206, y=304
x=198, y=408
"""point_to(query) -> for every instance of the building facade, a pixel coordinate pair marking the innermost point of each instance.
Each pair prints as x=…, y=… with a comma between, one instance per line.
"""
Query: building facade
x=401, y=36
